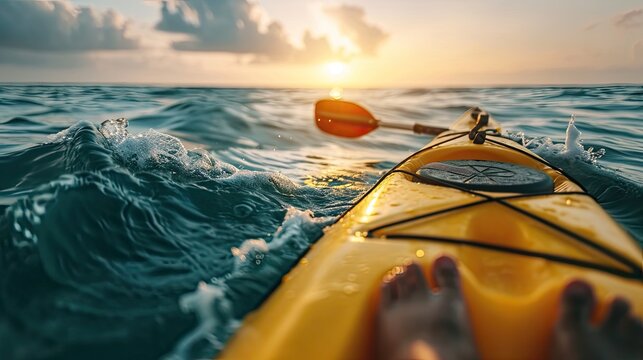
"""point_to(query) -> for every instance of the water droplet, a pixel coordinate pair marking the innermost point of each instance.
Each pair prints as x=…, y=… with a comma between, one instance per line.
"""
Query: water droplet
x=419, y=253
x=350, y=289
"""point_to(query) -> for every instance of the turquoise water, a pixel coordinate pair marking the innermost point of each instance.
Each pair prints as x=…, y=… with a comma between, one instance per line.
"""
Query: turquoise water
x=108, y=227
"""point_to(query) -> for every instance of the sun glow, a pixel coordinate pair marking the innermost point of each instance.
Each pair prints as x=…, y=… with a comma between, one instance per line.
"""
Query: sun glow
x=336, y=69
x=336, y=93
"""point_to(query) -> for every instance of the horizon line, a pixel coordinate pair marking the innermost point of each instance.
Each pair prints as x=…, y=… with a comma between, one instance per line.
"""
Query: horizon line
x=314, y=87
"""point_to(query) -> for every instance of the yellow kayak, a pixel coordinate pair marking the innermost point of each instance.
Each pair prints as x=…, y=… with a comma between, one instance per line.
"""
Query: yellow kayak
x=519, y=229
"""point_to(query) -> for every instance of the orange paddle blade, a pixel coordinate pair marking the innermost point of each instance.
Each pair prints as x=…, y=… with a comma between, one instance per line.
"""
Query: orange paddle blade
x=343, y=118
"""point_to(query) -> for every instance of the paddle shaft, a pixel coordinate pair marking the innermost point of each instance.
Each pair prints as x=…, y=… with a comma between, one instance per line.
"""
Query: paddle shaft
x=416, y=128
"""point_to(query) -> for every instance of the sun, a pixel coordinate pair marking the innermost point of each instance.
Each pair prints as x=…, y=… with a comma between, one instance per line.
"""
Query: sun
x=336, y=69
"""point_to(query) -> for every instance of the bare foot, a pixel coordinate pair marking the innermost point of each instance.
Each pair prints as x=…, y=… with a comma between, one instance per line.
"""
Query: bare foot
x=414, y=323
x=620, y=336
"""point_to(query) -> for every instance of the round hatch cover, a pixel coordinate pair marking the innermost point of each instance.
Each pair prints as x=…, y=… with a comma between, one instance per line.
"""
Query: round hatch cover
x=487, y=176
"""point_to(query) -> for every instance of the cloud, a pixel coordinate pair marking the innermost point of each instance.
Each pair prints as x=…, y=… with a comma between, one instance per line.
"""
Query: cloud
x=238, y=27
x=59, y=26
x=630, y=19
x=181, y=20
x=231, y=26
x=350, y=21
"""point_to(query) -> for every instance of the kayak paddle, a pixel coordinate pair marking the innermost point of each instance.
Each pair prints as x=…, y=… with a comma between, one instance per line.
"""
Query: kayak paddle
x=347, y=119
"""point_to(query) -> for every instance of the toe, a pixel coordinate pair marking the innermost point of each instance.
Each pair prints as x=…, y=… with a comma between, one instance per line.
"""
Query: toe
x=618, y=311
x=445, y=274
x=416, y=282
x=411, y=282
x=388, y=291
x=577, y=305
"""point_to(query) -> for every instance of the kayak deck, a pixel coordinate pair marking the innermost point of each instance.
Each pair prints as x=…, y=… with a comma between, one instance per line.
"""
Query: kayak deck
x=325, y=306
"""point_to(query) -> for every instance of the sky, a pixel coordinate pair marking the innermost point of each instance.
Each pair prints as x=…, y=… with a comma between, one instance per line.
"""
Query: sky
x=301, y=43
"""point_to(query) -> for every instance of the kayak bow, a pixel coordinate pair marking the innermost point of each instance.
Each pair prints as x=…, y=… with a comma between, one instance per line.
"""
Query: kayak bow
x=519, y=228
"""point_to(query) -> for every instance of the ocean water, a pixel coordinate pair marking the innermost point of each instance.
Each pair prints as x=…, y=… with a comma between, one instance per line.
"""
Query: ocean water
x=144, y=222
